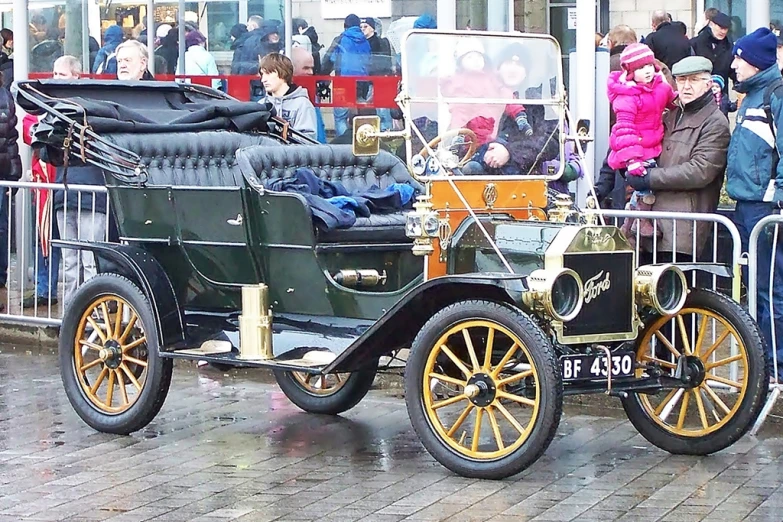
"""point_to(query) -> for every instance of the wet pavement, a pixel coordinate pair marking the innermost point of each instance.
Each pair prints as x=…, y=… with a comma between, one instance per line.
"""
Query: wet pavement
x=231, y=447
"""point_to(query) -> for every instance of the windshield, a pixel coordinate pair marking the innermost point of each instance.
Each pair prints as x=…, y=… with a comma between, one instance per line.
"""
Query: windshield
x=486, y=103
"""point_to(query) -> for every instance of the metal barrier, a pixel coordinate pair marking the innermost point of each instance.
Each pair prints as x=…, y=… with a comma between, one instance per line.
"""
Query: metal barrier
x=32, y=257
x=753, y=243
x=691, y=253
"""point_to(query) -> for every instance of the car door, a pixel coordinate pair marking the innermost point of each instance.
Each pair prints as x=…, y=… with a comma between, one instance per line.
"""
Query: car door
x=212, y=231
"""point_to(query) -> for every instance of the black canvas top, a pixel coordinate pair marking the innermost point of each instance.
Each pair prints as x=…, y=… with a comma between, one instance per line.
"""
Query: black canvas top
x=112, y=106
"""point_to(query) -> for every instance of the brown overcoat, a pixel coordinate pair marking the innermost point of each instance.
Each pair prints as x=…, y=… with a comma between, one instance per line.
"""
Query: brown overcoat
x=690, y=174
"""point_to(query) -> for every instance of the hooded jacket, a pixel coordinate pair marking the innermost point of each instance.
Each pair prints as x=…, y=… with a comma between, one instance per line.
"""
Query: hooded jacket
x=313, y=36
x=749, y=176
x=638, y=131
x=237, y=31
x=199, y=62
x=719, y=52
x=349, y=54
x=295, y=108
x=252, y=46
x=425, y=21
x=104, y=59
x=669, y=43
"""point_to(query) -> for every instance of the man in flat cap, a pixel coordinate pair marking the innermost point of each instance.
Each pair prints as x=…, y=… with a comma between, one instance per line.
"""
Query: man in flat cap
x=692, y=164
x=713, y=43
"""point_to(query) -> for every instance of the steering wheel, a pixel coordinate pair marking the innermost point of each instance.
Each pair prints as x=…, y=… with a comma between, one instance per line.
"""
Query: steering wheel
x=469, y=139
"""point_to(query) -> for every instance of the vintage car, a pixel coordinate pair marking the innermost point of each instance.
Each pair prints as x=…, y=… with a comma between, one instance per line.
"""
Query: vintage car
x=500, y=299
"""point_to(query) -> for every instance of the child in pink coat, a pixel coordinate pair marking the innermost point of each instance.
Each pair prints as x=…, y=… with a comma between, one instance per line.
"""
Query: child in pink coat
x=639, y=95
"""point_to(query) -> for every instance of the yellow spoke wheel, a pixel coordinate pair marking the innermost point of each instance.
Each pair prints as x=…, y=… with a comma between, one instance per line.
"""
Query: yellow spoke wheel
x=318, y=384
x=110, y=354
x=112, y=372
x=483, y=389
x=719, y=347
x=328, y=394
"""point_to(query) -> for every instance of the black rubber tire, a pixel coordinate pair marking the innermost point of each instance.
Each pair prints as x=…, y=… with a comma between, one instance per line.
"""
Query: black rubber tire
x=545, y=360
x=355, y=388
x=159, y=370
x=757, y=374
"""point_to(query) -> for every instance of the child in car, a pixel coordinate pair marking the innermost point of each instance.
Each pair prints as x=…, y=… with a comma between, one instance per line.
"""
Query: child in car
x=639, y=95
x=288, y=99
x=474, y=78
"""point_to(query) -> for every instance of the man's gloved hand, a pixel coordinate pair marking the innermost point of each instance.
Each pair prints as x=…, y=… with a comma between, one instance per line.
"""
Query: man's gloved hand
x=640, y=183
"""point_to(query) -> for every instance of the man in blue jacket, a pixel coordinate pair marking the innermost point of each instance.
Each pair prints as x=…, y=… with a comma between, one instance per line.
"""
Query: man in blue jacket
x=754, y=174
x=349, y=55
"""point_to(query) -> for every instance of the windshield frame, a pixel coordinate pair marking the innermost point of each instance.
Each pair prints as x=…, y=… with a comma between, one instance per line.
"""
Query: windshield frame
x=405, y=102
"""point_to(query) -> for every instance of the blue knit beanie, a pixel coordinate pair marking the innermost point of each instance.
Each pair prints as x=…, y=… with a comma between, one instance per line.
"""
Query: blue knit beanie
x=758, y=48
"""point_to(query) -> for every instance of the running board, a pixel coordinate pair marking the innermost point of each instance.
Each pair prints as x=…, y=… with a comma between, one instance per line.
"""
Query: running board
x=300, y=360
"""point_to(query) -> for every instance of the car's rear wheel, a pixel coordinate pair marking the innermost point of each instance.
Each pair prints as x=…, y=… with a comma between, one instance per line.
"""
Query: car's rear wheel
x=724, y=354
x=483, y=389
x=109, y=362
x=329, y=394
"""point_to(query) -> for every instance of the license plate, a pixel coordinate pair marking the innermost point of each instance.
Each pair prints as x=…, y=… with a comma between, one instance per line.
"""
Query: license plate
x=593, y=367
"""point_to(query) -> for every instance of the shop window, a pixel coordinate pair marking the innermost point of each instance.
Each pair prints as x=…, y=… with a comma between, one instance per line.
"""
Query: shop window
x=269, y=9
x=221, y=17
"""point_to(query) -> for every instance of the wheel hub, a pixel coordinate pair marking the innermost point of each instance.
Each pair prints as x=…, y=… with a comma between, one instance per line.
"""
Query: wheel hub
x=481, y=390
x=111, y=354
x=695, y=372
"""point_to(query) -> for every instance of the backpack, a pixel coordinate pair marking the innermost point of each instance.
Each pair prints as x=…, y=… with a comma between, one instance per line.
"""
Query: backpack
x=104, y=67
x=773, y=88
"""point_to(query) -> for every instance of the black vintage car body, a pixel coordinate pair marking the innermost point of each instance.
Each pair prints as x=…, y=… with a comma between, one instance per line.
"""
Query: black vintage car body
x=500, y=298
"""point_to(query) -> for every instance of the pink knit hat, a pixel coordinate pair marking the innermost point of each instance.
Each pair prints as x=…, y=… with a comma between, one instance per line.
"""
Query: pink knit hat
x=636, y=56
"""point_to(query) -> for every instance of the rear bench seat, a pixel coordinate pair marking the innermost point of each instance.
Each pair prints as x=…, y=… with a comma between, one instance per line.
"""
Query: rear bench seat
x=336, y=163
x=195, y=159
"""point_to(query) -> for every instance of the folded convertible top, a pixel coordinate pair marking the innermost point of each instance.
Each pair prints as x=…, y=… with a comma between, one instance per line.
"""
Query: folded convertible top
x=77, y=114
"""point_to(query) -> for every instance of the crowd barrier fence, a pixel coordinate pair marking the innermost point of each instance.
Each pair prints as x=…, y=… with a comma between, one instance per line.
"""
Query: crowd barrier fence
x=753, y=244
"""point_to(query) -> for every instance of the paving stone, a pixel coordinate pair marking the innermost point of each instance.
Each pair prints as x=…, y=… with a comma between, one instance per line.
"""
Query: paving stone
x=228, y=446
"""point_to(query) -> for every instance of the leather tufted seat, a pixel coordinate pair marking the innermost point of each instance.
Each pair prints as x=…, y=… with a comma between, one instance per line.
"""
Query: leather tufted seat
x=206, y=159
x=336, y=163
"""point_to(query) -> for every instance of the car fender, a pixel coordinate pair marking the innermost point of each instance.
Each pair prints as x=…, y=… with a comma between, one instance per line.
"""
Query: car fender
x=399, y=325
x=140, y=267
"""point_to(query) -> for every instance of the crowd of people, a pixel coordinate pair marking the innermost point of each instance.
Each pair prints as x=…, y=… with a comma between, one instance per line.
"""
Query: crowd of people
x=672, y=146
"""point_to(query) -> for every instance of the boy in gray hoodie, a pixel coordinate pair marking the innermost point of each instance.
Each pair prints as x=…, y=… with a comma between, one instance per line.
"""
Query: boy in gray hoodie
x=289, y=100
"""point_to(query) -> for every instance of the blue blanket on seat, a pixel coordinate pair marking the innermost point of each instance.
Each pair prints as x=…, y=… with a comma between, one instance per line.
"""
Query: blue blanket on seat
x=334, y=207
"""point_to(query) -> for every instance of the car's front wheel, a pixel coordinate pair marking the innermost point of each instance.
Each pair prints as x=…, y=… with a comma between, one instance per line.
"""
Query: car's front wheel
x=483, y=389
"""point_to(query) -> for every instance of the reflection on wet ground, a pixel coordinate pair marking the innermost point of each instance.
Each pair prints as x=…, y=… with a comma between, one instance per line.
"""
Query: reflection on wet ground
x=229, y=446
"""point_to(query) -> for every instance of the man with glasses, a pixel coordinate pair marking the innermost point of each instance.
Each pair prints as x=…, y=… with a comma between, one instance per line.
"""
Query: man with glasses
x=691, y=166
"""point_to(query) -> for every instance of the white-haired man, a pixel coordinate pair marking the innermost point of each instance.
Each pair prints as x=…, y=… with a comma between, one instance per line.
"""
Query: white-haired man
x=67, y=68
x=132, y=60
